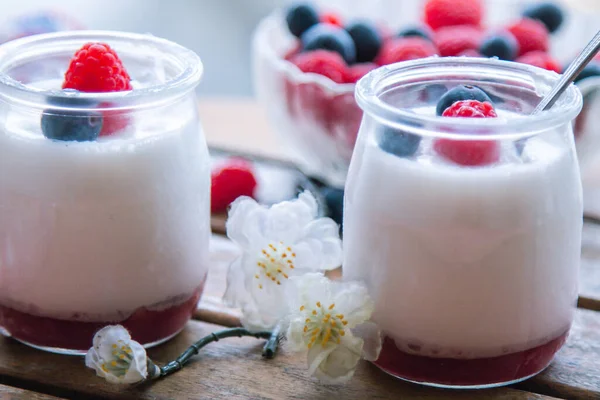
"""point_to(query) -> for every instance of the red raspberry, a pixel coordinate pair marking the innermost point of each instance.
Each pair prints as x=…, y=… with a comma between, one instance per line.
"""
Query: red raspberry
x=96, y=68
x=470, y=109
x=229, y=181
x=332, y=18
x=469, y=152
x=404, y=49
x=540, y=59
x=440, y=13
x=357, y=71
x=531, y=35
x=323, y=62
x=454, y=40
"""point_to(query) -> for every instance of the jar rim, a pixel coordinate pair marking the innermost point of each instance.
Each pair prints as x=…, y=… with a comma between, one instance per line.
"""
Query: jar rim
x=368, y=90
x=182, y=83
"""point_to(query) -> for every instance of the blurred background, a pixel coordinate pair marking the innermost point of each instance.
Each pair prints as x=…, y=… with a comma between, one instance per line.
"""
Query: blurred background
x=220, y=31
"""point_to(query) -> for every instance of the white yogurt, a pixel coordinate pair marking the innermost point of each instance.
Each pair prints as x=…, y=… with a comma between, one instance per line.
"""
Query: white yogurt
x=465, y=262
x=100, y=229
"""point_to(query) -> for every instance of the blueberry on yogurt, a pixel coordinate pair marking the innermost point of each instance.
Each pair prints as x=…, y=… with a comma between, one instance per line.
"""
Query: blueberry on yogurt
x=70, y=125
x=398, y=143
x=459, y=93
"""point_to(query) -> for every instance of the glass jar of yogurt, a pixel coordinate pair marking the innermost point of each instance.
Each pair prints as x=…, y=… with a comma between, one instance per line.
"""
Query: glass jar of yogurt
x=467, y=231
x=104, y=231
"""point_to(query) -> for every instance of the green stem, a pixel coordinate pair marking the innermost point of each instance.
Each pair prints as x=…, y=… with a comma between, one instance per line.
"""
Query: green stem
x=272, y=344
x=176, y=365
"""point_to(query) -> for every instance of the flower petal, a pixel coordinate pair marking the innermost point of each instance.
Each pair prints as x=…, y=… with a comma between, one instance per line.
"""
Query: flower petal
x=246, y=221
x=354, y=302
x=286, y=220
x=370, y=334
x=117, y=358
x=322, y=228
x=294, y=336
x=236, y=294
x=269, y=303
x=138, y=371
x=308, y=289
x=339, y=364
x=316, y=255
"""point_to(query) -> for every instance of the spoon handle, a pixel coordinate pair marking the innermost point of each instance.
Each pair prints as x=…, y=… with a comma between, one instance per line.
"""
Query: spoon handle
x=570, y=74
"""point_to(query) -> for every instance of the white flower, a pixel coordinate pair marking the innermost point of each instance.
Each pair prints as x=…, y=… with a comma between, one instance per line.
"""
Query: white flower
x=330, y=320
x=277, y=243
x=117, y=358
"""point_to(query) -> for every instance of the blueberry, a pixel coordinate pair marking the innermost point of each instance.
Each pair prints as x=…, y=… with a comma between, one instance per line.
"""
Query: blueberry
x=503, y=46
x=419, y=31
x=69, y=125
x=398, y=143
x=334, y=200
x=329, y=37
x=592, y=69
x=461, y=92
x=300, y=17
x=367, y=40
x=548, y=13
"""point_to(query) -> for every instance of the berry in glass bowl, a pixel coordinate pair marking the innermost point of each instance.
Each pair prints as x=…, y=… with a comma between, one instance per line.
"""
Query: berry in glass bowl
x=305, y=68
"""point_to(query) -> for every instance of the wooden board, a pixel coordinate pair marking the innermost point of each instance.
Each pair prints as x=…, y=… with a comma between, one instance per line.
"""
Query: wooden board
x=575, y=372
x=589, y=279
x=13, y=393
x=228, y=369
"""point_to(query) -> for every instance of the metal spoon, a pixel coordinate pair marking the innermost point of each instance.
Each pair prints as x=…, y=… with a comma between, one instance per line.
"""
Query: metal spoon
x=570, y=74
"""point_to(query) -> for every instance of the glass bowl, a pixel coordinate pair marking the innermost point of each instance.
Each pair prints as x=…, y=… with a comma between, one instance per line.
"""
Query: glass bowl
x=319, y=119
x=467, y=232
x=104, y=197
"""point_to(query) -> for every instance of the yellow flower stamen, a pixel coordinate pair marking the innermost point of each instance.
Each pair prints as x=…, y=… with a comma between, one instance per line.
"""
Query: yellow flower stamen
x=323, y=325
x=274, y=261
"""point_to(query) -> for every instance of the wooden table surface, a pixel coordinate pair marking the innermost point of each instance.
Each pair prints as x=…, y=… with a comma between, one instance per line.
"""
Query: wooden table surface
x=234, y=368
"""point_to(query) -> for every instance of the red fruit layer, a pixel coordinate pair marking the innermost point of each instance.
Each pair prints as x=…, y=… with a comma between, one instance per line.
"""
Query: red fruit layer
x=145, y=326
x=467, y=372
